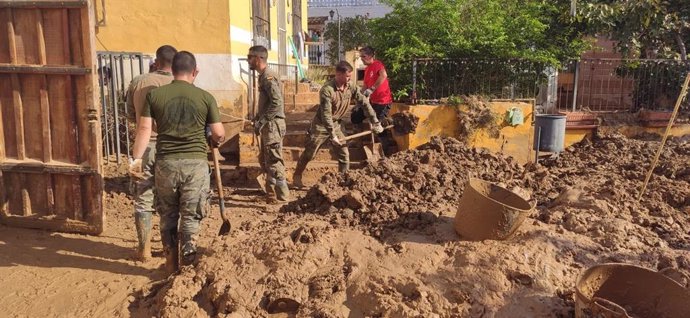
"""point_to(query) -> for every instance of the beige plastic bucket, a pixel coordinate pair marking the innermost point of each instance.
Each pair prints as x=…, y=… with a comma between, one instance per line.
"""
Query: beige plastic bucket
x=487, y=211
x=616, y=290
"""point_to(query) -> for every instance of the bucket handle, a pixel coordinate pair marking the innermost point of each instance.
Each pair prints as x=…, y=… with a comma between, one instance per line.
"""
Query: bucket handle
x=668, y=269
x=606, y=308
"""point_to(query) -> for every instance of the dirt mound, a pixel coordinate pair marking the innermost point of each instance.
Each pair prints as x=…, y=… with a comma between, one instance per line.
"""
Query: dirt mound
x=379, y=242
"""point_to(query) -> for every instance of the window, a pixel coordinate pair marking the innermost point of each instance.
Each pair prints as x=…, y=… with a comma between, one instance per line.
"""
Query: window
x=262, y=22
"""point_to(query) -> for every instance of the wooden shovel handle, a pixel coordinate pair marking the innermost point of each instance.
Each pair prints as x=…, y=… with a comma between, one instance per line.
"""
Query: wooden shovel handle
x=219, y=184
x=364, y=133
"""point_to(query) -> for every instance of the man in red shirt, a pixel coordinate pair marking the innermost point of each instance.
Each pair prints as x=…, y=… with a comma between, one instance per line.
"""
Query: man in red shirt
x=376, y=88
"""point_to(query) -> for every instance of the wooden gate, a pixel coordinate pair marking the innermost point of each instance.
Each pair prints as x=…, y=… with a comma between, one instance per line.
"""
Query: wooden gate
x=50, y=160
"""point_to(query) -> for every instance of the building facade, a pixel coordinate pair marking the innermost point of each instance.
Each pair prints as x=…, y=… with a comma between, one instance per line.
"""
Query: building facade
x=218, y=32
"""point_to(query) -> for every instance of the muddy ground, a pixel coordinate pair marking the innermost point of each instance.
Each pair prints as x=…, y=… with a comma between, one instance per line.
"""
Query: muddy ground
x=378, y=242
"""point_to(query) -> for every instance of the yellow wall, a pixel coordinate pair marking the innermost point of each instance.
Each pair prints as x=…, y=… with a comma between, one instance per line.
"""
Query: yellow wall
x=515, y=141
x=441, y=120
x=199, y=26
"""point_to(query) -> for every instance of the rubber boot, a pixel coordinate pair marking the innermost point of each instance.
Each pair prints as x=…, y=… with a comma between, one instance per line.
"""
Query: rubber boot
x=142, y=220
x=171, y=250
x=297, y=176
x=270, y=193
x=282, y=191
x=188, y=250
x=343, y=167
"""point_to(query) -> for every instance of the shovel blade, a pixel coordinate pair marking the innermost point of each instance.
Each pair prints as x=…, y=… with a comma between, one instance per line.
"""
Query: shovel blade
x=261, y=180
x=225, y=228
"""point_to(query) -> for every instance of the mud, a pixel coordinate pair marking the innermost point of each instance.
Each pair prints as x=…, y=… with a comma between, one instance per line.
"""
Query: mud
x=379, y=241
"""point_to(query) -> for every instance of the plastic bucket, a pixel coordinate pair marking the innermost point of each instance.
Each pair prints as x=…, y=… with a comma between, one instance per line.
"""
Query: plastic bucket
x=621, y=290
x=549, y=132
x=487, y=211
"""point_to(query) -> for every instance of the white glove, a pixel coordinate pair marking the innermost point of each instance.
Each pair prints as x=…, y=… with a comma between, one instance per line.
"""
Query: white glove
x=336, y=141
x=367, y=92
x=377, y=128
x=136, y=169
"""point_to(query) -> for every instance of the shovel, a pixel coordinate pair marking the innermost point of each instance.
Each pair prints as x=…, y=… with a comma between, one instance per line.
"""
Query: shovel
x=225, y=228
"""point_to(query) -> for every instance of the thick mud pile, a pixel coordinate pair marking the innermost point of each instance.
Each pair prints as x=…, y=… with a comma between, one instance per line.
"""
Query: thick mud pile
x=379, y=242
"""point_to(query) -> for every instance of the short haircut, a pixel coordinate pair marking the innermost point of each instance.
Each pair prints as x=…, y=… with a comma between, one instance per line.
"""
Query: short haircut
x=183, y=62
x=343, y=67
x=368, y=50
x=165, y=55
x=259, y=51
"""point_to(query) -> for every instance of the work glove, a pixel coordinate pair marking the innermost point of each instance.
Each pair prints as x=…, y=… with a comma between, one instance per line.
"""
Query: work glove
x=336, y=141
x=377, y=128
x=367, y=92
x=136, y=170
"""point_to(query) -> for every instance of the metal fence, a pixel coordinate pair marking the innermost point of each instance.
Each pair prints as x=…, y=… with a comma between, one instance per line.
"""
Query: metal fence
x=433, y=79
x=115, y=71
x=607, y=84
x=340, y=3
x=316, y=52
x=289, y=78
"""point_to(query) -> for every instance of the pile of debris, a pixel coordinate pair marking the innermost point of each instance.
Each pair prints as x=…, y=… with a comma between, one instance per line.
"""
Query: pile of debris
x=380, y=242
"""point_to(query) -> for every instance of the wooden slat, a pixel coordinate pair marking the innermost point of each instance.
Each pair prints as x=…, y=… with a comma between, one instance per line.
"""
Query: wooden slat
x=9, y=129
x=75, y=37
x=4, y=209
x=31, y=4
x=45, y=120
x=77, y=199
x=2, y=125
x=50, y=194
x=26, y=166
x=66, y=50
x=4, y=45
x=36, y=187
x=91, y=98
x=53, y=224
x=40, y=69
x=31, y=109
x=12, y=38
x=63, y=119
x=25, y=31
x=40, y=38
x=93, y=201
x=26, y=199
x=63, y=194
x=53, y=23
x=18, y=116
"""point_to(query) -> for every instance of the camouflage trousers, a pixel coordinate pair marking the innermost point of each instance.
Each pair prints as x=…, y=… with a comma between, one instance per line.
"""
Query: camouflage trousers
x=143, y=189
x=271, y=155
x=318, y=135
x=182, y=199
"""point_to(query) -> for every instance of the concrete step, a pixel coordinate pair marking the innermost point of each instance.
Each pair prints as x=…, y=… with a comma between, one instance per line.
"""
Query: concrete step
x=300, y=107
x=249, y=150
x=289, y=87
x=302, y=98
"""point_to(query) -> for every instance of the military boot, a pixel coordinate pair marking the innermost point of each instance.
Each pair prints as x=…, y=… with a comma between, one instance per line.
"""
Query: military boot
x=188, y=250
x=171, y=250
x=282, y=191
x=142, y=220
x=270, y=192
x=297, y=176
x=343, y=167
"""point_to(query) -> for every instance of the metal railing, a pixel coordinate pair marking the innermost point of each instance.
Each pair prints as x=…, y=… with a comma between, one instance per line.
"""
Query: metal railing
x=316, y=52
x=115, y=72
x=341, y=3
x=607, y=84
x=289, y=77
x=433, y=79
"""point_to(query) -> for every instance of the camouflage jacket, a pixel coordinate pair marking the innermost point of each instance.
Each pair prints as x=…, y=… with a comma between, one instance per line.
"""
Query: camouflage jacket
x=271, y=104
x=334, y=104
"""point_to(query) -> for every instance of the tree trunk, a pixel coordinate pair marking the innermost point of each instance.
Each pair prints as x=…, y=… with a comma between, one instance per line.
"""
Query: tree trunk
x=681, y=46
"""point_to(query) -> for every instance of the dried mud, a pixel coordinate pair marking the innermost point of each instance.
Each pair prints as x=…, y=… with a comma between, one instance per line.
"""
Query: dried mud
x=379, y=242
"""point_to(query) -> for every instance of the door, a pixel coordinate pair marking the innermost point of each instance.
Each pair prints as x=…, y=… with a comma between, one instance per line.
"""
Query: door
x=50, y=157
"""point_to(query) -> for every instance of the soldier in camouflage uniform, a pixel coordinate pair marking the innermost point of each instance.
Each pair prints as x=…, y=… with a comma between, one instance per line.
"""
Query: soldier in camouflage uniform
x=142, y=188
x=336, y=97
x=181, y=112
x=269, y=125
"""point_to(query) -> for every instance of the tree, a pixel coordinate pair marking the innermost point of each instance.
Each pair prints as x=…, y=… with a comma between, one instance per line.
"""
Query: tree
x=354, y=34
x=642, y=28
x=536, y=30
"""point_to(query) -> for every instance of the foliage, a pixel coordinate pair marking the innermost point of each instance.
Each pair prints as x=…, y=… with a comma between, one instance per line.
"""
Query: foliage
x=354, y=34
x=536, y=30
x=643, y=28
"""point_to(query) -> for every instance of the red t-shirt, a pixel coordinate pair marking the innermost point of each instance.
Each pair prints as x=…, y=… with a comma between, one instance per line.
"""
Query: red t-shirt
x=382, y=94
